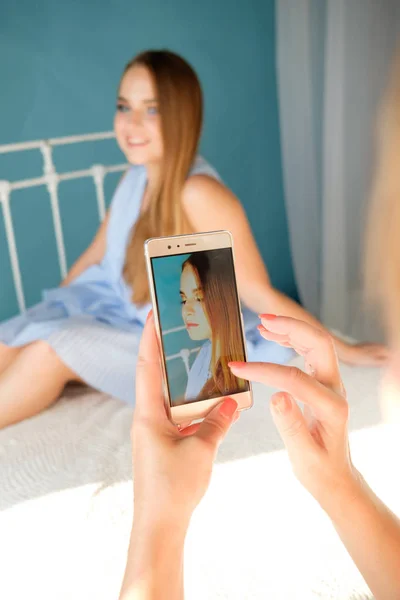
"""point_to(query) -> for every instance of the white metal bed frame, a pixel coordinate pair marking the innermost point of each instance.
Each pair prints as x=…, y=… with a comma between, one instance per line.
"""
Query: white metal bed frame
x=51, y=179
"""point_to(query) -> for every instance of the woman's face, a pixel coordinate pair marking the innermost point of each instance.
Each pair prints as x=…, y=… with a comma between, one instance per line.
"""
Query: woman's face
x=137, y=122
x=193, y=311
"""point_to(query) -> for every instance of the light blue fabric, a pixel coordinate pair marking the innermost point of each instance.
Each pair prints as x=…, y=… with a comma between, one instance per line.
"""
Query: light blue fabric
x=200, y=372
x=92, y=324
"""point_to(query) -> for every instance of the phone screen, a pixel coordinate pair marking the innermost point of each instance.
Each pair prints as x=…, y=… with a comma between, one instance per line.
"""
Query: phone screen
x=200, y=324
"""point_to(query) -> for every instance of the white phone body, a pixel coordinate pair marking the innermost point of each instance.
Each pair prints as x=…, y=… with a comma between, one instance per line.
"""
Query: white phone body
x=188, y=355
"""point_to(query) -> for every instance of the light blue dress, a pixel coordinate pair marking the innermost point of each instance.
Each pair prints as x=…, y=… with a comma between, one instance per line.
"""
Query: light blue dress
x=200, y=372
x=92, y=324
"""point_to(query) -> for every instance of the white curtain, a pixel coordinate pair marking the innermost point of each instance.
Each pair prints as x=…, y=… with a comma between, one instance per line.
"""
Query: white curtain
x=332, y=64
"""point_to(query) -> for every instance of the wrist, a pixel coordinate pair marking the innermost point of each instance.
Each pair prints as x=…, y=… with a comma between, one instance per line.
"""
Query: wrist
x=150, y=524
x=155, y=560
x=343, y=495
x=343, y=349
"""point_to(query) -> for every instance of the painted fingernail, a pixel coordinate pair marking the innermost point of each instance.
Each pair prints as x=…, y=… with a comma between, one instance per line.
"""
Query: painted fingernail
x=281, y=403
x=228, y=408
x=236, y=365
x=267, y=317
x=149, y=316
x=261, y=329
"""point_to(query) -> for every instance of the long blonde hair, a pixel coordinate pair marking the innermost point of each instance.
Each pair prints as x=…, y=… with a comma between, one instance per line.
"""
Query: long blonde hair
x=216, y=277
x=382, y=257
x=181, y=110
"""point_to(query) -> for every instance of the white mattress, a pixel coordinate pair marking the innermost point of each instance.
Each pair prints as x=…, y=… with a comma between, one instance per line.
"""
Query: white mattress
x=66, y=506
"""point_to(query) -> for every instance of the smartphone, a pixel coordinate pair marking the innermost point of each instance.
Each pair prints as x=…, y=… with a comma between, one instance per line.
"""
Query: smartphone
x=198, y=321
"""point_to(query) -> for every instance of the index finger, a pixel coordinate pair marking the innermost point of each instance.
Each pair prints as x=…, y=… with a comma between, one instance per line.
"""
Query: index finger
x=149, y=389
x=315, y=345
x=323, y=401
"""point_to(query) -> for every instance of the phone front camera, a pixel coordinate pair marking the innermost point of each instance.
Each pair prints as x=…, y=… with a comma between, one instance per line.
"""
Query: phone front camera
x=178, y=246
x=169, y=247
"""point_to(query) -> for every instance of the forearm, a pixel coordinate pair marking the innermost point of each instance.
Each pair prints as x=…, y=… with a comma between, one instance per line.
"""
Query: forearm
x=275, y=302
x=83, y=263
x=371, y=534
x=155, y=563
x=93, y=255
x=279, y=304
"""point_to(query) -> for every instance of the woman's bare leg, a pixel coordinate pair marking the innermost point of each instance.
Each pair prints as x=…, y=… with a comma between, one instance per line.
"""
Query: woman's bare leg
x=7, y=355
x=32, y=382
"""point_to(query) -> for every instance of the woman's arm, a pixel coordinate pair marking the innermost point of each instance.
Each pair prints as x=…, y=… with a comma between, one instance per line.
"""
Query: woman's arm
x=96, y=251
x=210, y=205
x=371, y=534
x=155, y=562
x=92, y=256
x=172, y=470
x=318, y=449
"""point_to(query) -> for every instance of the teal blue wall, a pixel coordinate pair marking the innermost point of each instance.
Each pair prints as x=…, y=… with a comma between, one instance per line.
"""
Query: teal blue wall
x=60, y=64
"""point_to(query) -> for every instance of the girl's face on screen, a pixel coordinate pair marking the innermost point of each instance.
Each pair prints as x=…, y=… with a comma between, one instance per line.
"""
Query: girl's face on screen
x=193, y=311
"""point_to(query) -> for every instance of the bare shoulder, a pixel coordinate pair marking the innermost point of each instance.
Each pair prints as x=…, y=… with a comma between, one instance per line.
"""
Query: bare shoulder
x=203, y=189
x=209, y=204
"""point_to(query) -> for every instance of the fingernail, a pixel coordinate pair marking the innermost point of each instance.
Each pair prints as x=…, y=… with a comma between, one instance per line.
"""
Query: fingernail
x=261, y=328
x=281, y=403
x=267, y=317
x=236, y=366
x=228, y=408
x=149, y=315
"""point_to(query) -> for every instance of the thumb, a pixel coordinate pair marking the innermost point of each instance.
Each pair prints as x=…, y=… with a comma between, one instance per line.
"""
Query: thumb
x=217, y=423
x=149, y=396
x=291, y=424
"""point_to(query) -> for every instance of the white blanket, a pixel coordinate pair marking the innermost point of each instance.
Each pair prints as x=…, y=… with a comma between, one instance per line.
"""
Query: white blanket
x=66, y=506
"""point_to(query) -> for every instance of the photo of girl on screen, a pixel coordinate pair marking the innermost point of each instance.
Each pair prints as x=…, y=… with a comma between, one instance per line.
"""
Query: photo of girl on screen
x=210, y=313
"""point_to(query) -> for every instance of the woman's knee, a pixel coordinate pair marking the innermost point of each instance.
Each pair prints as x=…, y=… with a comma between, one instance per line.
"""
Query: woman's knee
x=7, y=355
x=46, y=356
x=6, y=350
x=41, y=349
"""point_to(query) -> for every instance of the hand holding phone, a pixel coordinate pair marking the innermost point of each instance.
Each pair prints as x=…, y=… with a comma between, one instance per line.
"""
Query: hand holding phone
x=172, y=470
x=163, y=468
x=198, y=321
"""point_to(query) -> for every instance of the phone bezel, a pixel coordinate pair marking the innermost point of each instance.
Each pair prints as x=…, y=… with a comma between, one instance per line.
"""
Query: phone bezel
x=184, y=244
